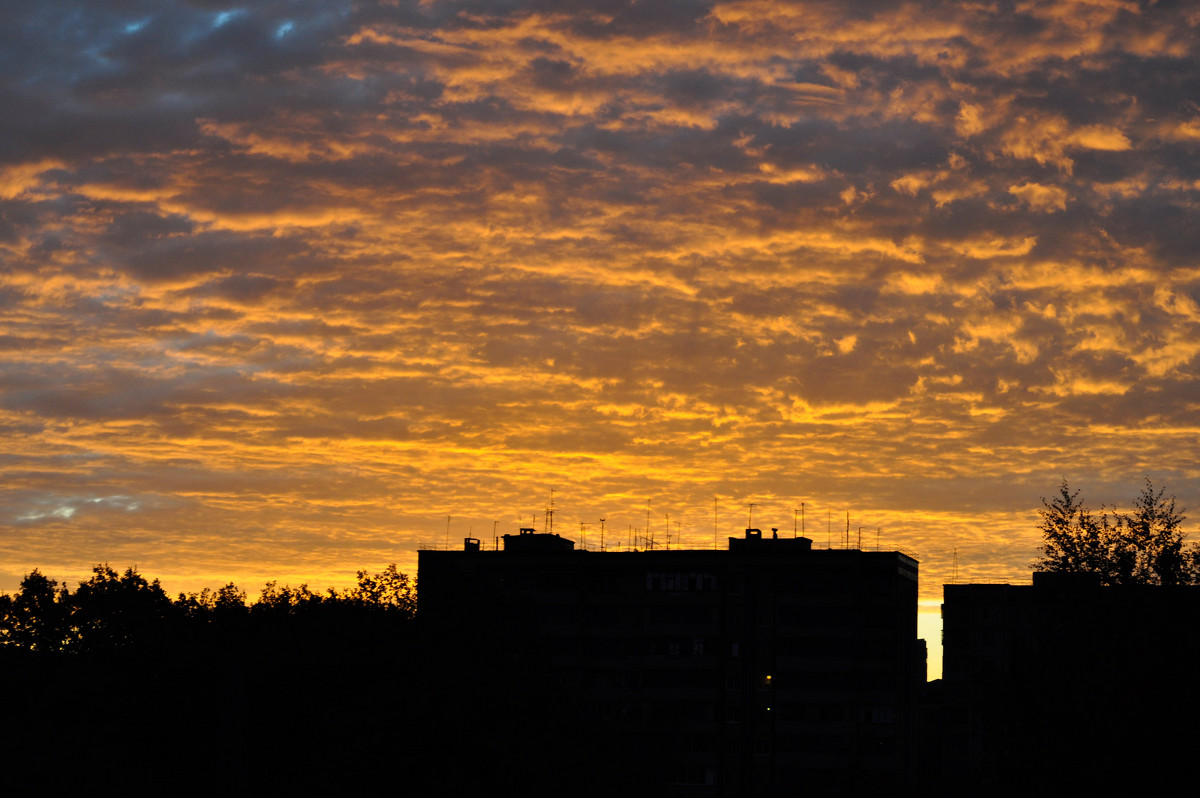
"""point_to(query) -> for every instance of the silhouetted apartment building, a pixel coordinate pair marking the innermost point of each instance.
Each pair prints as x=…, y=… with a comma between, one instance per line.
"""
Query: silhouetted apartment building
x=1064, y=686
x=766, y=669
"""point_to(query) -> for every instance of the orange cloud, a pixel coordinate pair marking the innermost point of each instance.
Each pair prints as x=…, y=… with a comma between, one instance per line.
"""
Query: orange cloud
x=1046, y=199
x=275, y=310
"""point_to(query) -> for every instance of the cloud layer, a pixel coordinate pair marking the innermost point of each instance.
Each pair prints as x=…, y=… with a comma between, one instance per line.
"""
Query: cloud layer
x=285, y=285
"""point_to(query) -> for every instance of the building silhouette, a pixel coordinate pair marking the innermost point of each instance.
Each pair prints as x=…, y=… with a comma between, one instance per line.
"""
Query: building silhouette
x=1064, y=686
x=763, y=669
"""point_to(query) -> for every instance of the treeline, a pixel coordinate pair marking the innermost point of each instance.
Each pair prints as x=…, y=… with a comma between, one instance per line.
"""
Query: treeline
x=111, y=611
x=1145, y=545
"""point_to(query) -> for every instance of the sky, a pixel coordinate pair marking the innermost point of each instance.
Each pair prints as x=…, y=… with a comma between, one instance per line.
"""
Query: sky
x=293, y=289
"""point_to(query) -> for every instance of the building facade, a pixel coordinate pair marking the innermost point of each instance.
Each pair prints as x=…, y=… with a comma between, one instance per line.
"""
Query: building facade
x=757, y=670
x=1064, y=686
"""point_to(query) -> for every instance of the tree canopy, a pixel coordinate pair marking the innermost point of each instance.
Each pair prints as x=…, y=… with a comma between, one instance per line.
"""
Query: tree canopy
x=1144, y=546
x=111, y=611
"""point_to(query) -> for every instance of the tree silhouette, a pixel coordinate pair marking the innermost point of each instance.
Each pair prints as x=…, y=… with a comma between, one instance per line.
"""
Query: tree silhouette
x=110, y=611
x=289, y=600
x=389, y=590
x=221, y=684
x=1141, y=547
x=37, y=618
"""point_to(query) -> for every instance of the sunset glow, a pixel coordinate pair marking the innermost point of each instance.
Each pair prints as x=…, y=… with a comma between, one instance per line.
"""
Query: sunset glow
x=284, y=286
